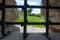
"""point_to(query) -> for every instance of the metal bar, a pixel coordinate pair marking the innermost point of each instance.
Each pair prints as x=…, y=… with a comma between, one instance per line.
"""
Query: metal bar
x=47, y=18
x=25, y=20
x=50, y=7
x=14, y=6
x=36, y=6
x=21, y=6
x=29, y=23
x=14, y=23
x=47, y=7
x=37, y=23
x=0, y=6
x=3, y=18
x=55, y=23
x=33, y=23
x=54, y=7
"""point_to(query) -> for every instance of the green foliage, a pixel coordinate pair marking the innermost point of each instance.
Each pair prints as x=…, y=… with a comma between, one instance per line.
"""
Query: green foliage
x=35, y=19
x=37, y=15
x=21, y=18
x=32, y=18
x=29, y=11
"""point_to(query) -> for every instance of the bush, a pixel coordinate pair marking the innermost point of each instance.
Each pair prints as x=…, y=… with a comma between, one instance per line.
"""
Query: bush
x=37, y=15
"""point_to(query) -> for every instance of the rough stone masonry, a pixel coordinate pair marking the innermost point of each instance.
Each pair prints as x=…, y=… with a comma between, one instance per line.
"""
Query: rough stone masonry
x=54, y=14
x=11, y=13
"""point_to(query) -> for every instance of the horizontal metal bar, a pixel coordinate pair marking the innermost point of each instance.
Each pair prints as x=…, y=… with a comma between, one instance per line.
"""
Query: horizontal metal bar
x=0, y=6
x=0, y=9
x=36, y=6
x=14, y=23
x=54, y=7
x=14, y=6
x=36, y=23
x=22, y=6
x=50, y=7
x=32, y=23
x=0, y=3
x=55, y=23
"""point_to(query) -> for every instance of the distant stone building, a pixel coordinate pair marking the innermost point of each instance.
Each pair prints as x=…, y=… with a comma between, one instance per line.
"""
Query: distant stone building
x=11, y=13
x=54, y=14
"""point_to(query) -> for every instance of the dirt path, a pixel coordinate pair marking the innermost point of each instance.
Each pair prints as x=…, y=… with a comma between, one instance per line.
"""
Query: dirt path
x=17, y=32
x=31, y=29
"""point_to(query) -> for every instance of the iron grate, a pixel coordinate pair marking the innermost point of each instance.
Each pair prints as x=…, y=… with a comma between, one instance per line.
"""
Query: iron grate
x=25, y=6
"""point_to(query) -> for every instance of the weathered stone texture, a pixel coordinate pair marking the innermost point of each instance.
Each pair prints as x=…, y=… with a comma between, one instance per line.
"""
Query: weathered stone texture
x=11, y=13
x=0, y=1
x=10, y=2
x=54, y=14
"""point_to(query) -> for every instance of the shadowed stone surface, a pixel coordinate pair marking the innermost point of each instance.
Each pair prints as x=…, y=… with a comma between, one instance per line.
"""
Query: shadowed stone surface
x=16, y=34
x=54, y=14
x=11, y=14
x=36, y=36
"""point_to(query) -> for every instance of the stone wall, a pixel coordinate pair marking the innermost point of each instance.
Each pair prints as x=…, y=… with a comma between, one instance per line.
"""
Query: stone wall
x=54, y=14
x=11, y=13
x=0, y=1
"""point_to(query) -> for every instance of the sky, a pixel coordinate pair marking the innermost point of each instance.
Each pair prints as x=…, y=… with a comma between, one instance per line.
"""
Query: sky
x=30, y=2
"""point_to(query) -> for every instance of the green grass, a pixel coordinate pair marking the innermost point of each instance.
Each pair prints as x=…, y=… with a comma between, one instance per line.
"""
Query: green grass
x=21, y=18
x=35, y=19
x=32, y=18
x=38, y=26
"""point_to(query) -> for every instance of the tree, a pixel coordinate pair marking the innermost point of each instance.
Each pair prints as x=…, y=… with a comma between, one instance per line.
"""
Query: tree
x=29, y=11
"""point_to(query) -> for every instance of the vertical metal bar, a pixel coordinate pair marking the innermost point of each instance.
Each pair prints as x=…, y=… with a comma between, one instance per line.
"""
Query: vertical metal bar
x=25, y=20
x=3, y=18
x=47, y=18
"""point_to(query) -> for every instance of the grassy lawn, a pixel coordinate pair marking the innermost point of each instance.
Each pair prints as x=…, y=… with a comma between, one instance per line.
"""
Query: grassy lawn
x=35, y=19
x=32, y=18
x=21, y=18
